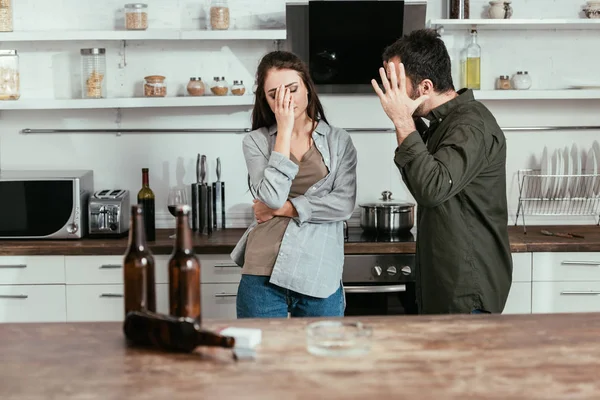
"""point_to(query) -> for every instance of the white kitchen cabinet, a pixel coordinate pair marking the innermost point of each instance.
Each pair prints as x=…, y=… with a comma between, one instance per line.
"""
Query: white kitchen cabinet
x=105, y=302
x=94, y=270
x=566, y=282
x=32, y=270
x=218, y=300
x=32, y=303
x=219, y=268
x=519, y=297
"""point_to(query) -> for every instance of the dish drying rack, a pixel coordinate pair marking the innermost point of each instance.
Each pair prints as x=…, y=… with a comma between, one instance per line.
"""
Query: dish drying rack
x=557, y=195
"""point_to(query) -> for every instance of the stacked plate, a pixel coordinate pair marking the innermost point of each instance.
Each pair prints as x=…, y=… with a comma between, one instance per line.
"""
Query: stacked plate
x=570, y=173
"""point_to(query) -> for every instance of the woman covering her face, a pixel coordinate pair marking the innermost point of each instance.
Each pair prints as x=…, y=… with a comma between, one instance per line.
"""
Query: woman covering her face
x=302, y=173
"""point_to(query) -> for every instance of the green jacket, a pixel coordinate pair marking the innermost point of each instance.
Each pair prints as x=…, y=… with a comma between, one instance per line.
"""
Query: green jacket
x=456, y=171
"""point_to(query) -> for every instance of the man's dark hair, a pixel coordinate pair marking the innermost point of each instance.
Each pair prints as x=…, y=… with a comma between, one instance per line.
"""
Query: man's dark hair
x=424, y=56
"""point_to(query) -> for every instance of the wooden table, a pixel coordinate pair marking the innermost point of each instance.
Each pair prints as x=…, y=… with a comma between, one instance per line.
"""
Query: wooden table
x=413, y=357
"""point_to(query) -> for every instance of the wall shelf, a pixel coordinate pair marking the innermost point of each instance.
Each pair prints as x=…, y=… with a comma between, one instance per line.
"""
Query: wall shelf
x=516, y=24
x=565, y=94
x=83, y=35
x=136, y=102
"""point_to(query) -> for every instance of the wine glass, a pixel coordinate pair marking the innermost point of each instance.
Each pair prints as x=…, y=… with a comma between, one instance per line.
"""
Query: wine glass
x=177, y=197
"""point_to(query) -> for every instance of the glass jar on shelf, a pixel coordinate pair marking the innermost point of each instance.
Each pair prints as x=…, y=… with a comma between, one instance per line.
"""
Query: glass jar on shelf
x=238, y=88
x=503, y=82
x=6, y=16
x=9, y=75
x=155, y=86
x=136, y=16
x=93, y=73
x=219, y=15
x=521, y=80
x=219, y=86
x=196, y=87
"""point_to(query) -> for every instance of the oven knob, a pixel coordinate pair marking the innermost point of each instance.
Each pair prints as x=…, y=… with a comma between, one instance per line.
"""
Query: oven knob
x=377, y=270
x=72, y=228
x=391, y=271
x=406, y=270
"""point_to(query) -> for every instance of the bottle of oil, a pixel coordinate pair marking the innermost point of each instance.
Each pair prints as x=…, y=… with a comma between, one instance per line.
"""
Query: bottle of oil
x=146, y=199
x=138, y=267
x=184, y=271
x=471, y=68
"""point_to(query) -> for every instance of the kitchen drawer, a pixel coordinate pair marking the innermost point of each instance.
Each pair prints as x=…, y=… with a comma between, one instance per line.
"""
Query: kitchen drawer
x=218, y=300
x=521, y=267
x=107, y=269
x=32, y=303
x=519, y=299
x=32, y=270
x=566, y=266
x=219, y=269
x=565, y=297
x=105, y=302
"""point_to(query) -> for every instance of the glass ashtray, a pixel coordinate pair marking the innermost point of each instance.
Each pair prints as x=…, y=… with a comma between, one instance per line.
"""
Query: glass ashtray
x=338, y=338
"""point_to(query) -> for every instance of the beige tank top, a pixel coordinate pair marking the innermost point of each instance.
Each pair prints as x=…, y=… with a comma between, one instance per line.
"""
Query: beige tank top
x=264, y=240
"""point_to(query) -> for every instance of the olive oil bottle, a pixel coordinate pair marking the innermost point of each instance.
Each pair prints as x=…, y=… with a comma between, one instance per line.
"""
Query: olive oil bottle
x=471, y=64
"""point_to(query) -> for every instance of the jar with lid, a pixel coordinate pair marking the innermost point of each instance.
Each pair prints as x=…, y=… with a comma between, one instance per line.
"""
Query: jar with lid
x=136, y=16
x=219, y=86
x=9, y=75
x=6, y=16
x=238, y=88
x=521, y=80
x=219, y=15
x=503, y=82
x=93, y=73
x=155, y=86
x=196, y=87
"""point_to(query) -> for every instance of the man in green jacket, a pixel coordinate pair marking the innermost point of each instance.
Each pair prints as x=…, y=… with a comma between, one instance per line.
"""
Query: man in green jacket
x=455, y=168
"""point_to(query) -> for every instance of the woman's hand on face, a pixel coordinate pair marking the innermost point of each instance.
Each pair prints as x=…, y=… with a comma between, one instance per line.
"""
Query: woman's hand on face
x=284, y=110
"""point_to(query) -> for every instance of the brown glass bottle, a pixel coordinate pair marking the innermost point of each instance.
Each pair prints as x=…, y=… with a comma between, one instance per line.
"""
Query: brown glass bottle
x=146, y=199
x=184, y=271
x=169, y=333
x=138, y=267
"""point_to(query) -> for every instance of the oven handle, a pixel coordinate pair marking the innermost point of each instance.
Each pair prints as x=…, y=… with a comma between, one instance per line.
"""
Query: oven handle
x=375, y=289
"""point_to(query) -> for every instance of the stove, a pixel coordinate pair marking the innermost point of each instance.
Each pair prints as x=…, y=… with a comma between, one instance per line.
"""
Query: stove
x=379, y=284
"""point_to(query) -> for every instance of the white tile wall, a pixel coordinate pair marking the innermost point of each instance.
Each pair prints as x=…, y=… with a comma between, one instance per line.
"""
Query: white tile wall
x=51, y=70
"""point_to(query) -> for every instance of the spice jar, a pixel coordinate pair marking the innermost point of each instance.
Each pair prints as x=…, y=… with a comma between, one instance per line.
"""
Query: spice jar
x=6, y=16
x=219, y=15
x=503, y=82
x=155, y=86
x=521, y=80
x=238, y=88
x=219, y=86
x=136, y=16
x=196, y=87
x=9, y=75
x=93, y=73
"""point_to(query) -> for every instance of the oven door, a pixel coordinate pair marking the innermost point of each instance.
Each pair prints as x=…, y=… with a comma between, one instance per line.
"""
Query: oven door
x=380, y=299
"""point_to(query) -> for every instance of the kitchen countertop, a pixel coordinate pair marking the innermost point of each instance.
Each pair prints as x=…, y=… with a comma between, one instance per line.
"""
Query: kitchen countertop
x=222, y=242
x=447, y=357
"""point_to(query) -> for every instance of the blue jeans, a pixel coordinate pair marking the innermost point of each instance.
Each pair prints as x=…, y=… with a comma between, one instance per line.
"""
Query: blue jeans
x=258, y=298
x=478, y=311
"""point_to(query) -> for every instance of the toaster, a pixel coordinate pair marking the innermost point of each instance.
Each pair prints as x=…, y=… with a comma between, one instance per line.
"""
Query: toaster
x=108, y=213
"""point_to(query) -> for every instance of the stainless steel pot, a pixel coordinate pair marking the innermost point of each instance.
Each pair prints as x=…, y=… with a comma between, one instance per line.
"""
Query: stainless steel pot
x=387, y=217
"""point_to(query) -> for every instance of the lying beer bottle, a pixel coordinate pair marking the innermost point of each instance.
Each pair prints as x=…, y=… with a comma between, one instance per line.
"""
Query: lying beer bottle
x=184, y=271
x=144, y=328
x=138, y=267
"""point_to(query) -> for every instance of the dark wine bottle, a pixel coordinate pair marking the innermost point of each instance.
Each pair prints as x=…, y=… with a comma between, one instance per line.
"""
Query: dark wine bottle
x=184, y=271
x=138, y=267
x=146, y=199
x=144, y=328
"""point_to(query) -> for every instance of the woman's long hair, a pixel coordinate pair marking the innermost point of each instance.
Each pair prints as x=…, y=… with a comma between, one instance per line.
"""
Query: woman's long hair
x=262, y=116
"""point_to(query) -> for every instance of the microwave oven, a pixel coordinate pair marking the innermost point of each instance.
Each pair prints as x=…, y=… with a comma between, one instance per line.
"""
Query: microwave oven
x=44, y=204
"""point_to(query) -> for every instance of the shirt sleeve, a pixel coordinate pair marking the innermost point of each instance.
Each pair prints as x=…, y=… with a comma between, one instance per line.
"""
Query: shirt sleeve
x=339, y=203
x=270, y=177
x=434, y=178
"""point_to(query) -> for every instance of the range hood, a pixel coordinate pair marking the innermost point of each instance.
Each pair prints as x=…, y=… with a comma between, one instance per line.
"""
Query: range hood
x=342, y=40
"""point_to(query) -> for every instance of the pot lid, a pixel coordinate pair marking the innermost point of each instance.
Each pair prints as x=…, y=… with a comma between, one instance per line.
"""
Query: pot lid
x=387, y=201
